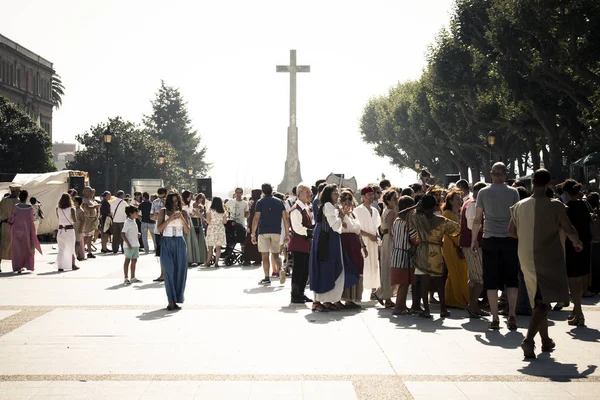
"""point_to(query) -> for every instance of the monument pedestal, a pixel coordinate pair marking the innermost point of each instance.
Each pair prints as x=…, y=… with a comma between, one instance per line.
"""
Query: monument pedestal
x=291, y=175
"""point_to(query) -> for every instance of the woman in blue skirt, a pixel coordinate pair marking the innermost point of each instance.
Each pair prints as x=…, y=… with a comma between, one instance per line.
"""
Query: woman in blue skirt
x=173, y=224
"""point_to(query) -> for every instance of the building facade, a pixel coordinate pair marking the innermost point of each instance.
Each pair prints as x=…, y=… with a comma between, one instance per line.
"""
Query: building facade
x=26, y=80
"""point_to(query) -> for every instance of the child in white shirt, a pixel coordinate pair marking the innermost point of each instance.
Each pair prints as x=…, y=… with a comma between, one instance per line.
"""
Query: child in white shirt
x=130, y=237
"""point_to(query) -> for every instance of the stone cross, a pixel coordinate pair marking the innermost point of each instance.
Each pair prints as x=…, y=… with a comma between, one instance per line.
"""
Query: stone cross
x=292, y=175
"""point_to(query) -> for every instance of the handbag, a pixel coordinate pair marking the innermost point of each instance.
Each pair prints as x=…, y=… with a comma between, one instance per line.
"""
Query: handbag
x=323, y=245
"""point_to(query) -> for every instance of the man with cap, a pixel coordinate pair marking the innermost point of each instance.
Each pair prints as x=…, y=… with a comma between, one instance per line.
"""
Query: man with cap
x=7, y=206
x=369, y=220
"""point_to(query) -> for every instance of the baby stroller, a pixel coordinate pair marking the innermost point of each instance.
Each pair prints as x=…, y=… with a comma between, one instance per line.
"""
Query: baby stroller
x=235, y=234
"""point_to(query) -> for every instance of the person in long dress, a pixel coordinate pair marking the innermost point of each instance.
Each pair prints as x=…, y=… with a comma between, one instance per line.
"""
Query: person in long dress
x=429, y=262
x=195, y=254
x=457, y=282
x=215, y=233
x=386, y=290
x=537, y=222
x=66, y=234
x=7, y=206
x=326, y=264
x=23, y=235
x=173, y=224
x=370, y=220
x=354, y=250
x=251, y=253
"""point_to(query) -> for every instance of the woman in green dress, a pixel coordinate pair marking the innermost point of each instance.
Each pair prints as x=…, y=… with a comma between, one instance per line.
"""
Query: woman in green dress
x=196, y=244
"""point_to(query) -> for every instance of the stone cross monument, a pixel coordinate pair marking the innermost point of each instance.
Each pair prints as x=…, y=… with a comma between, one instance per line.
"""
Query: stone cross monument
x=292, y=175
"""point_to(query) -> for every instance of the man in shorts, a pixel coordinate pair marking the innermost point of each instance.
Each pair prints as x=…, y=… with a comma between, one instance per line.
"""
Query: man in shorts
x=267, y=222
x=498, y=249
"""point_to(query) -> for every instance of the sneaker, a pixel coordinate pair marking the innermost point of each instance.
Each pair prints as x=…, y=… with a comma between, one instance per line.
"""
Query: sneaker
x=282, y=276
x=126, y=282
x=511, y=324
x=135, y=280
x=265, y=282
x=495, y=324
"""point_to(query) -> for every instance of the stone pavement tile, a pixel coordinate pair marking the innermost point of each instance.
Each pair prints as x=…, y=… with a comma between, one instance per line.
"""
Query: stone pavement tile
x=328, y=390
x=17, y=393
x=224, y=390
x=276, y=390
x=581, y=389
x=539, y=390
x=435, y=390
x=487, y=390
x=131, y=342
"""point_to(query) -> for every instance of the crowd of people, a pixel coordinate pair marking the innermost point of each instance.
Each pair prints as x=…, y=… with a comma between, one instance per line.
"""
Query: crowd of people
x=464, y=243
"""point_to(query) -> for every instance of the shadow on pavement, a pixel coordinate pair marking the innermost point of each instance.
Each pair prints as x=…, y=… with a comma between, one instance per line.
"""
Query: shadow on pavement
x=331, y=316
x=264, y=289
x=153, y=285
x=427, y=325
x=585, y=334
x=512, y=340
x=155, y=315
x=547, y=367
x=55, y=272
x=116, y=287
x=294, y=308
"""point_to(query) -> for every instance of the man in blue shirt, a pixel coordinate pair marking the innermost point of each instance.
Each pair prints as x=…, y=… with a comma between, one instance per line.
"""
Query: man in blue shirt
x=269, y=212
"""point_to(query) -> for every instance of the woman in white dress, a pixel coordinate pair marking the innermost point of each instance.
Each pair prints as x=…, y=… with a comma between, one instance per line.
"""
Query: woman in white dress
x=66, y=234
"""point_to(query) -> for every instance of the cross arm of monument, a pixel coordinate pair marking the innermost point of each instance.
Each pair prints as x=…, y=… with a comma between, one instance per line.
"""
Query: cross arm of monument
x=296, y=68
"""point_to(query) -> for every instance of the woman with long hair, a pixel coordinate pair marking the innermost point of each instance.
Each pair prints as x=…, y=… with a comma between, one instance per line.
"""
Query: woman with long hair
x=196, y=246
x=173, y=224
x=386, y=290
x=326, y=264
x=578, y=263
x=215, y=233
x=457, y=282
x=23, y=235
x=66, y=233
x=429, y=262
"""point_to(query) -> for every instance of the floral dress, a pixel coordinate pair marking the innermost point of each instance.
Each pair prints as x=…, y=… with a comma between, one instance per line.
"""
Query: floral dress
x=215, y=233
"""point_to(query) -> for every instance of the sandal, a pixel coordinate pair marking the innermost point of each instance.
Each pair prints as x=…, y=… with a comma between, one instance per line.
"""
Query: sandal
x=159, y=280
x=339, y=305
x=389, y=304
x=379, y=299
x=331, y=307
x=352, y=305
x=318, y=307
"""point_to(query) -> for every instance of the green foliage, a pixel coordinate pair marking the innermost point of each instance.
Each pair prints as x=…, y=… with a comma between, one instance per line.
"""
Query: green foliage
x=24, y=146
x=58, y=91
x=170, y=122
x=528, y=71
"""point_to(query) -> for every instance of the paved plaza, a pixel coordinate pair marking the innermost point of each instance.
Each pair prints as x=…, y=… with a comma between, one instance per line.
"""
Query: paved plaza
x=84, y=335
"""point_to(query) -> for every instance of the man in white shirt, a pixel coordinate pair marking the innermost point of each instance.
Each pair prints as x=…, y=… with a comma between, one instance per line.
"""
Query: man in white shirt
x=302, y=225
x=117, y=209
x=291, y=200
x=369, y=220
x=463, y=186
x=238, y=208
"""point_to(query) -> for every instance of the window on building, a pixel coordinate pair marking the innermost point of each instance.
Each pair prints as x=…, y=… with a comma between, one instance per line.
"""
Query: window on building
x=18, y=77
x=1, y=70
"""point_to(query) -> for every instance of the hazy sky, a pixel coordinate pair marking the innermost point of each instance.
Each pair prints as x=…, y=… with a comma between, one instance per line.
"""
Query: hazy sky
x=222, y=55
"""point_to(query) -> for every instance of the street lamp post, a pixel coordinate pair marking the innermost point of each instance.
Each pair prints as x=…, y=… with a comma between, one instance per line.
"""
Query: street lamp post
x=107, y=141
x=417, y=167
x=161, y=162
x=491, y=142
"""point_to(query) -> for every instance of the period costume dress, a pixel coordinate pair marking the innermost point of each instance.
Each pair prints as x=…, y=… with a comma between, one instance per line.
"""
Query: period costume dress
x=65, y=238
x=370, y=220
x=539, y=221
x=402, y=271
x=327, y=278
x=457, y=283
x=302, y=225
x=7, y=206
x=196, y=247
x=429, y=259
x=353, y=258
x=579, y=264
x=385, y=290
x=23, y=237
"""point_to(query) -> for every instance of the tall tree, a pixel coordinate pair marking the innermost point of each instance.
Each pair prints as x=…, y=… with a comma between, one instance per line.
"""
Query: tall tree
x=170, y=122
x=58, y=91
x=132, y=154
x=24, y=145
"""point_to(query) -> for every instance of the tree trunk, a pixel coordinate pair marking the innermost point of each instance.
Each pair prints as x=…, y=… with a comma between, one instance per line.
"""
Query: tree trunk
x=464, y=171
x=475, y=173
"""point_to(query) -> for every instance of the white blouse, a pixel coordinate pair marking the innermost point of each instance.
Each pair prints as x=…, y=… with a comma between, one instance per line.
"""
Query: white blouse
x=352, y=226
x=333, y=219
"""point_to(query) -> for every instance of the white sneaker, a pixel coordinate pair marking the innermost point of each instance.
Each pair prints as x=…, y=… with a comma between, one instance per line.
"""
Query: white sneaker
x=282, y=276
x=126, y=282
x=136, y=280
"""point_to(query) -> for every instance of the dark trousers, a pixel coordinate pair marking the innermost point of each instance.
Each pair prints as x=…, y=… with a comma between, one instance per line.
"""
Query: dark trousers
x=117, y=227
x=139, y=226
x=299, y=273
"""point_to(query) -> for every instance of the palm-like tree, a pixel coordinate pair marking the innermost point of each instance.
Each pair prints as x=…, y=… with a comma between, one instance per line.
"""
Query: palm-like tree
x=58, y=90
